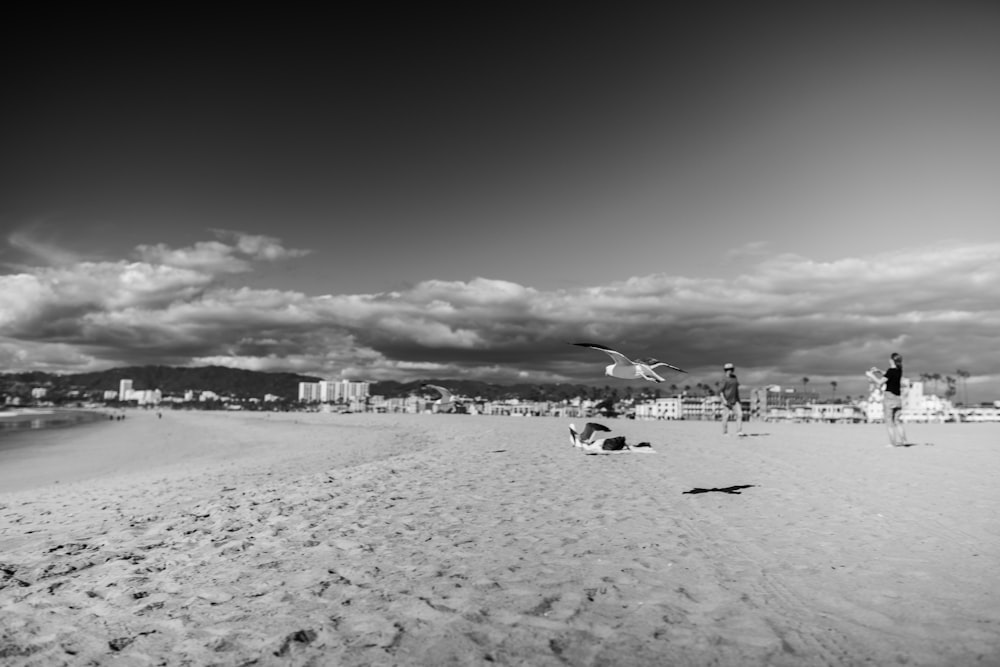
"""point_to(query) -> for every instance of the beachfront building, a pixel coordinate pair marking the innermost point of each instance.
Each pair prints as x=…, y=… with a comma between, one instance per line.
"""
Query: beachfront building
x=659, y=408
x=39, y=392
x=982, y=413
x=515, y=407
x=145, y=396
x=693, y=407
x=921, y=407
x=406, y=404
x=127, y=392
x=309, y=392
x=325, y=391
x=572, y=409
x=772, y=401
x=832, y=413
x=917, y=406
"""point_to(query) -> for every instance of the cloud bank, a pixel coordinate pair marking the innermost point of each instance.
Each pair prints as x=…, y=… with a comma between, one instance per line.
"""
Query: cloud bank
x=786, y=317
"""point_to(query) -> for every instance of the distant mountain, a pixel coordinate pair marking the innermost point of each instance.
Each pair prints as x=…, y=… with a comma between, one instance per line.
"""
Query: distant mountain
x=493, y=392
x=171, y=381
x=255, y=384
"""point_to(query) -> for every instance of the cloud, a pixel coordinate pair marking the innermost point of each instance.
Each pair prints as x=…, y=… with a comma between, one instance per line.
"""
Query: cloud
x=219, y=257
x=786, y=317
x=26, y=241
x=210, y=256
x=258, y=247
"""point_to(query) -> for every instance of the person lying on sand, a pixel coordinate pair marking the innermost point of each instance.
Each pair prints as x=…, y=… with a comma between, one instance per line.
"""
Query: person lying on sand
x=587, y=442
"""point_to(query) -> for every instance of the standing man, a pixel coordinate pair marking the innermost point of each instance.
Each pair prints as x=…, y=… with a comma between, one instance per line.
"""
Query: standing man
x=731, y=400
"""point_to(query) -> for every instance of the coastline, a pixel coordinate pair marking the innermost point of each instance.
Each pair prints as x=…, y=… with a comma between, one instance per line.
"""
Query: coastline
x=448, y=539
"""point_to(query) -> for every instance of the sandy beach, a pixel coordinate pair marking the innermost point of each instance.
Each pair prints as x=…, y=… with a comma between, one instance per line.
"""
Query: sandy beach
x=318, y=539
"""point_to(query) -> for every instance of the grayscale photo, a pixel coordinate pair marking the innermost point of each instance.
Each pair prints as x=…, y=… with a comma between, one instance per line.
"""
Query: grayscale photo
x=494, y=335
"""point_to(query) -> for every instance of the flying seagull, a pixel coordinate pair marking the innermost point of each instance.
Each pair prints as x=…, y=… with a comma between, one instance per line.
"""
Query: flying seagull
x=626, y=369
x=447, y=402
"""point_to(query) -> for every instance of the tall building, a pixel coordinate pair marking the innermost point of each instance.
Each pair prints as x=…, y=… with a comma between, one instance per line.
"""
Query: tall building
x=332, y=392
x=124, y=390
x=309, y=392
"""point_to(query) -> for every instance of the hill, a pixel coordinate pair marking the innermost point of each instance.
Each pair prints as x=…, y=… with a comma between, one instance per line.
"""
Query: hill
x=240, y=383
x=170, y=380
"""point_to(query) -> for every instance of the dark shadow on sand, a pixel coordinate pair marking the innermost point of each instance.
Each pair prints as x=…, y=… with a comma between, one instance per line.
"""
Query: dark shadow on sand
x=735, y=490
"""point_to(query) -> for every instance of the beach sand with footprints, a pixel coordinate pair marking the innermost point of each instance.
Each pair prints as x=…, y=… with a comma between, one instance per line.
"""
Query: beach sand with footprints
x=235, y=539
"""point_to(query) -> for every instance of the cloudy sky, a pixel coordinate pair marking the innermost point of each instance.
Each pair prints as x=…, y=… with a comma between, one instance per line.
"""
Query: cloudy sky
x=800, y=192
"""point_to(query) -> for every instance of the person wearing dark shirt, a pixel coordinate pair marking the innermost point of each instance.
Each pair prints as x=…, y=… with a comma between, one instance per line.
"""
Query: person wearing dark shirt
x=730, y=394
x=892, y=398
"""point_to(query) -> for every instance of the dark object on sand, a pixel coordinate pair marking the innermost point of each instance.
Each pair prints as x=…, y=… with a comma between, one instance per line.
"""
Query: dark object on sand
x=729, y=489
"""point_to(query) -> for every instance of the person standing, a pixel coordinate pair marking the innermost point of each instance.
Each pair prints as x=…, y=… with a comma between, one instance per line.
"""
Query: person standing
x=730, y=394
x=892, y=398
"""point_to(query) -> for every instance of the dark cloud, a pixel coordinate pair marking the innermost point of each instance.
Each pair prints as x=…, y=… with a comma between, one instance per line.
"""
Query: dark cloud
x=785, y=318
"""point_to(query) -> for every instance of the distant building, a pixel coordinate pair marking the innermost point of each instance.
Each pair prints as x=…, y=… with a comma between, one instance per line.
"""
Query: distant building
x=660, y=408
x=327, y=391
x=921, y=407
x=309, y=392
x=39, y=392
x=147, y=396
x=124, y=390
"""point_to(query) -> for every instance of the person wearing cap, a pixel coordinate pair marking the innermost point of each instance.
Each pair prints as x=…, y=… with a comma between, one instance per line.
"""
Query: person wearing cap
x=730, y=394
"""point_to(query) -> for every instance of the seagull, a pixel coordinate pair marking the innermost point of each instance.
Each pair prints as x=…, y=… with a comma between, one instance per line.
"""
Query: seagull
x=627, y=369
x=447, y=402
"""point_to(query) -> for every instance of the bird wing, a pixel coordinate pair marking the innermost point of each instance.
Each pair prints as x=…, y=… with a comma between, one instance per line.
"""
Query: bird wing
x=656, y=363
x=618, y=357
x=445, y=394
x=647, y=373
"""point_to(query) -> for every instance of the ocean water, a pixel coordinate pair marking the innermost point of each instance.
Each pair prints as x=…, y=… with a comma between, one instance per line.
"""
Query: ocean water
x=23, y=426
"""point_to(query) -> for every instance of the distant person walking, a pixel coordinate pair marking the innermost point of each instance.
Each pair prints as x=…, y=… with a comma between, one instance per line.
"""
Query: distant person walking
x=730, y=394
x=892, y=397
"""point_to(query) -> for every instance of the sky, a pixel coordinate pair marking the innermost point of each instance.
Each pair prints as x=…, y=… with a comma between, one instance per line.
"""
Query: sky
x=800, y=191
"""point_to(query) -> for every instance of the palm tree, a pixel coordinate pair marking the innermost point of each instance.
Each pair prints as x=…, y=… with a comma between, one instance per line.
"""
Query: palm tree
x=965, y=385
x=805, y=381
x=833, y=383
x=951, y=390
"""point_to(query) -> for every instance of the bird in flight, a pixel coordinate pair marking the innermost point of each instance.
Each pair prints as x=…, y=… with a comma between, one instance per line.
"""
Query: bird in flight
x=627, y=369
x=447, y=401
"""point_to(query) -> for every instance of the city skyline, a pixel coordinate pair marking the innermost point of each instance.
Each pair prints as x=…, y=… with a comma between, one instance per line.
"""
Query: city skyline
x=797, y=192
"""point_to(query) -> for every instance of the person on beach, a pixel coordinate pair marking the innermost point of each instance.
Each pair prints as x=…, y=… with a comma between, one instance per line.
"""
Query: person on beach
x=730, y=394
x=892, y=397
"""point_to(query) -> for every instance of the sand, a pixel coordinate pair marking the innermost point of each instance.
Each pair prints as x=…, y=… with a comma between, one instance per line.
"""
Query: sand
x=234, y=539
